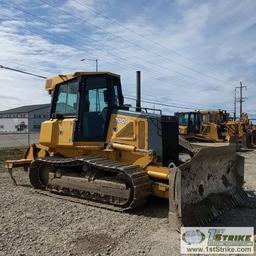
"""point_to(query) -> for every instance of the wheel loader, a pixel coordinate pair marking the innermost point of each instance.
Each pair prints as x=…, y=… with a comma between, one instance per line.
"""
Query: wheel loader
x=108, y=154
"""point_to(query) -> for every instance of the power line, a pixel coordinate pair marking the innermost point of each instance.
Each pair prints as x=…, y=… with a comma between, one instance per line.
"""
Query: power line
x=21, y=71
x=54, y=39
x=115, y=60
x=161, y=104
x=178, y=106
x=169, y=84
x=25, y=65
x=72, y=40
x=117, y=36
x=145, y=100
x=152, y=41
x=144, y=37
x=185, y=104
x=60, y=42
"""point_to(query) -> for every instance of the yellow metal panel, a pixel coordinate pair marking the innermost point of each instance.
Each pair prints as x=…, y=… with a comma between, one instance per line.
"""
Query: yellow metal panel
x=129, y=130
x=57, y=132
x=48, y=133
x=65, y=132
x=141, y=134
x=183, y=130
x=126, y=132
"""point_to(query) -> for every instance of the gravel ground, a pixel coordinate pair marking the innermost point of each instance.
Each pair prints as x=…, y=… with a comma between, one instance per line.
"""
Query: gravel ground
x=34, y=224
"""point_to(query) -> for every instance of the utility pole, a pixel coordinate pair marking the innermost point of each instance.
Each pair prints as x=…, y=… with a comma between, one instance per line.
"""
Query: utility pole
x=241, y=99
x=235, y=106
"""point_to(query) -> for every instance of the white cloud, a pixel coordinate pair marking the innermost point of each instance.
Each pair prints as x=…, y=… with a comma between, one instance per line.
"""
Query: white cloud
x=207, y=33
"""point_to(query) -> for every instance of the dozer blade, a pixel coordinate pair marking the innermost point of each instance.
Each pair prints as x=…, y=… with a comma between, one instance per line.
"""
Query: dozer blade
x=207, y=185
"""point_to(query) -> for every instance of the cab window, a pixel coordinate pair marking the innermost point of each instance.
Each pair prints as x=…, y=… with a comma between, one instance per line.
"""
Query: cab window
x=183, y=118
x=67, y=97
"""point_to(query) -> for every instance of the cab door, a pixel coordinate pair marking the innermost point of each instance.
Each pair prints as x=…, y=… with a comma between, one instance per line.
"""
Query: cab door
x=99, y=96
x=93, y=110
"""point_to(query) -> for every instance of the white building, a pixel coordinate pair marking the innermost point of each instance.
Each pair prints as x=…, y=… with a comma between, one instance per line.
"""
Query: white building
x=24, y=119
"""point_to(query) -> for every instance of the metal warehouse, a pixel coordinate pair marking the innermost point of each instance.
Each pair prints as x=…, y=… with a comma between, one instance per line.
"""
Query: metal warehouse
x=24, y=119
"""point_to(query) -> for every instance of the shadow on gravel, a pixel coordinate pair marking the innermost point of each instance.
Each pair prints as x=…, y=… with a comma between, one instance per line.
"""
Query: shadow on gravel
x=244, y=216
x=156, y=208
x=245, y=150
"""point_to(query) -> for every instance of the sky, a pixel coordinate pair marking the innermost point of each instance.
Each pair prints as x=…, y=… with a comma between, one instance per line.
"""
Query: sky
x=192, y=54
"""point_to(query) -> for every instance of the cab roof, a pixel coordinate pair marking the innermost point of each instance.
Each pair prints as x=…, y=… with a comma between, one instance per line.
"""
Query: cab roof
x=219, y=111
x=51, y=82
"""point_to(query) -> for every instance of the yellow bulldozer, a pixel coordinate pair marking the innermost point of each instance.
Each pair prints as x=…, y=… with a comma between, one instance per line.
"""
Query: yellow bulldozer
x=224, y=128
x=193, y=127
x=215, y=126
x=99, y=150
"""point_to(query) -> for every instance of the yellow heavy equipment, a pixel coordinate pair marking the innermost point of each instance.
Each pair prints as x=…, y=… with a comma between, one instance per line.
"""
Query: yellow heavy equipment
x=215, y=126
x=245, y=131
x=254, y=134
x=98, y=150
x=220, y=127
x=194, y=129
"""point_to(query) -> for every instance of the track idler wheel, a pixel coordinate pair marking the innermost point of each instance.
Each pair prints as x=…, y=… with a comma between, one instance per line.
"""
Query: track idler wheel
x=39, y=175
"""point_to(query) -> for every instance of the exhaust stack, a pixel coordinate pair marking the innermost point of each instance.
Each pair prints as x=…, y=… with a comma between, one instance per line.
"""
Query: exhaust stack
x=138, y=91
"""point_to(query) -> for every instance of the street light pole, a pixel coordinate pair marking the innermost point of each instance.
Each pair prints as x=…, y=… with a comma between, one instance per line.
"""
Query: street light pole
x=96, y=63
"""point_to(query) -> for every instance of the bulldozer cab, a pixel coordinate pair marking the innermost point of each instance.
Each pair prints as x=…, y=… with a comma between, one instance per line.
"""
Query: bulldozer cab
x=89, y=99
x=216, y=117
x=191, y=120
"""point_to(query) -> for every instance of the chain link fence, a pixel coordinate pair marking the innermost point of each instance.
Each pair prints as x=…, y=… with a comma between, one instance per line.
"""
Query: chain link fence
x=17, y=139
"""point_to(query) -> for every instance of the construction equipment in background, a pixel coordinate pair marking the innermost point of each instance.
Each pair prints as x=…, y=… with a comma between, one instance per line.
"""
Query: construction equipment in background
x=194, y=129
x=238, y=132
x=98, y=150
x=253, y=127
x=245, y=131
x=215, y=126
